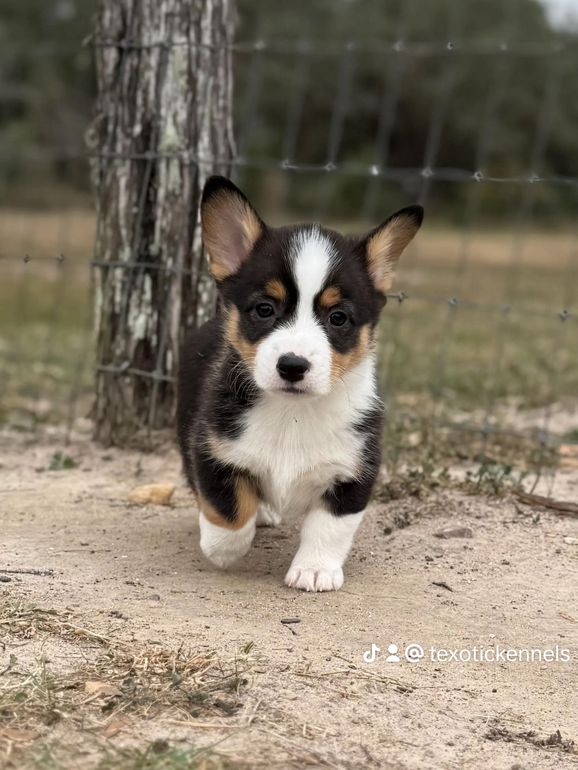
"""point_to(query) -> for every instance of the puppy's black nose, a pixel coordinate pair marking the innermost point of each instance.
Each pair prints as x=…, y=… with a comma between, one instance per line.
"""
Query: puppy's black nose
x=292, y=368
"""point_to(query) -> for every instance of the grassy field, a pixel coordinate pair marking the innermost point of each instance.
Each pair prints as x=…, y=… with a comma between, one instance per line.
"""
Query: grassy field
x=478, y=337
x=45, y=315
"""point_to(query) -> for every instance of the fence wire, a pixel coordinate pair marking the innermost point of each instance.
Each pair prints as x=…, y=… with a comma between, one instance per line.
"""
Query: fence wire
x=479, y=341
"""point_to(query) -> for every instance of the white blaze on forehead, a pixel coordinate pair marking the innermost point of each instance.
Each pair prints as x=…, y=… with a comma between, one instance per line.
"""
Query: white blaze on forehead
x=314, y=256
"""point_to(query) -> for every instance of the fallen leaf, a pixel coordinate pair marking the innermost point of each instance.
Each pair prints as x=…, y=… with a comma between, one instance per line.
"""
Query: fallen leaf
x=18, y=736
x=448, y=532
x=114, y=727
x=157, y=494
x=568, y=455
x=104, y=689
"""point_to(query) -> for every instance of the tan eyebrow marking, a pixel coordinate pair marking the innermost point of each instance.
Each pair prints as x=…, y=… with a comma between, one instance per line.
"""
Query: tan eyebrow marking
x=330, y=297
x=276, y=289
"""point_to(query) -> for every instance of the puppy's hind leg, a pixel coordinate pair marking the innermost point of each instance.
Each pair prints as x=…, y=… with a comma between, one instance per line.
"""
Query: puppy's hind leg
x=267, y=517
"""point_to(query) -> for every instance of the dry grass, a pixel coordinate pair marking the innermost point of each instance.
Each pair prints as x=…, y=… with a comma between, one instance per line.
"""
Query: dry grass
x=110, y=688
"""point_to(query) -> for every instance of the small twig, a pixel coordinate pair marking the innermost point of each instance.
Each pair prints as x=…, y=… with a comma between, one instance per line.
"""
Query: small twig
x=442, y=584
x=253, y=713
x=21, y=571
x=564, y=507
x=200, y=725
x=308, y=751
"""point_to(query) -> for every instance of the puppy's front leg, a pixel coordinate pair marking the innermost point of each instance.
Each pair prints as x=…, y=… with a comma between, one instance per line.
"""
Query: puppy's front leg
x=328, y=532
x=325, y=542
x=228, y=502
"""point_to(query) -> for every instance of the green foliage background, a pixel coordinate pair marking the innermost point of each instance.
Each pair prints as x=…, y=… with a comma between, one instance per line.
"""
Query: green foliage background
x=508, y=114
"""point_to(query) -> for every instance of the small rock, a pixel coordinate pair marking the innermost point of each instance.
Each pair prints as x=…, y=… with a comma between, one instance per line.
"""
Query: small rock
x=571, y=540
x=5, y=579
x=157, y=494
x=449, y=532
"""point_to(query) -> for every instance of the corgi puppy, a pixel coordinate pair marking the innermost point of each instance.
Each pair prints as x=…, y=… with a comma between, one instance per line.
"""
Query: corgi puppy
x=279, y=414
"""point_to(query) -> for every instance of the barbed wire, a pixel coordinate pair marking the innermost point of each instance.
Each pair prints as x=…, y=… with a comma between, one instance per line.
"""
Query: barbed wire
x=454, y=303
x=392, y=174
x=300, y=46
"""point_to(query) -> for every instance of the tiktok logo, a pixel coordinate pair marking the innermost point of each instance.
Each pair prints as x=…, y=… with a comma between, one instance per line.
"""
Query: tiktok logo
x=370, y=655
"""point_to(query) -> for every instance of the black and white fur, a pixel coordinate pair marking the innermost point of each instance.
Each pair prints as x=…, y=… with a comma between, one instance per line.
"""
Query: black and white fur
x=279, y=414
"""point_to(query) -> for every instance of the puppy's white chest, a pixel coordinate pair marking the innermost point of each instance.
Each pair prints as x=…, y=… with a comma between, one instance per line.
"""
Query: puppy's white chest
x=296, y=446
x=296, y=455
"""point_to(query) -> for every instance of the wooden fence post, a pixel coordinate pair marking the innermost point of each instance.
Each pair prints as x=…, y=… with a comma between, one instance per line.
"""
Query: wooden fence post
x=163, y=124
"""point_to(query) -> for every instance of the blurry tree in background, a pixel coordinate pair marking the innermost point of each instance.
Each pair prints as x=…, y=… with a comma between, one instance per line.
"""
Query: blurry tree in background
x=46, y=100
x=163, y=123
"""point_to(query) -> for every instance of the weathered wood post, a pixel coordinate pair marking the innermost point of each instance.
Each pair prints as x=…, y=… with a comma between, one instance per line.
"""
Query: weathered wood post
x=163, y=124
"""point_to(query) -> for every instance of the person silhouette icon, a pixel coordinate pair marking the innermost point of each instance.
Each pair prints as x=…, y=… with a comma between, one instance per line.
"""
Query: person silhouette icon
x=393, y=657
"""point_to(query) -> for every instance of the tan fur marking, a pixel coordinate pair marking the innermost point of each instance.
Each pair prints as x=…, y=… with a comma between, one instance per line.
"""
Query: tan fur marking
x=217, y=446
x=385, y=248
x=230, y=230
x=247, y=500
x=330, y=297
x=246, y=350
x=275, y=289
x=344, y=362
x=246, y=504
x=211, y=513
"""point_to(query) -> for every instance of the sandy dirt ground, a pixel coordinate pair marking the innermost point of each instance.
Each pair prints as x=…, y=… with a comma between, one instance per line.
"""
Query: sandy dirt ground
x=310, y=699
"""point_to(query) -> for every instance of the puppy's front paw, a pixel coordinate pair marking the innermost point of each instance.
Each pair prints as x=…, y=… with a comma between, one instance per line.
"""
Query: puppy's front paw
x=314, y=578
x=225, y=546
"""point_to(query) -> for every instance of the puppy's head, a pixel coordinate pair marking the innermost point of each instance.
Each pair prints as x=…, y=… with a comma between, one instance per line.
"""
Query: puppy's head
x=301, y=302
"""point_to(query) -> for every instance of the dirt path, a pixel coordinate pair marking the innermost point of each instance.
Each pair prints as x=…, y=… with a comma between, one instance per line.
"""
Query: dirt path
x=311, y=700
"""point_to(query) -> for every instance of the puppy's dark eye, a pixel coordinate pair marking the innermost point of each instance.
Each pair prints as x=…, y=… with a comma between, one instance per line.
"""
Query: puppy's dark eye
x=264, y=309
x=337, y=318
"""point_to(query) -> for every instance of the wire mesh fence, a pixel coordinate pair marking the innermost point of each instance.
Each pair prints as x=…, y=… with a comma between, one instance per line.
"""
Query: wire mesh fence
x=343, y=113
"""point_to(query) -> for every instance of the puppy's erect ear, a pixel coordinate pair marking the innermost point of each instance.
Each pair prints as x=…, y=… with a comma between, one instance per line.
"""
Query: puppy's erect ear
x=231, y=226
x=385, y=244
